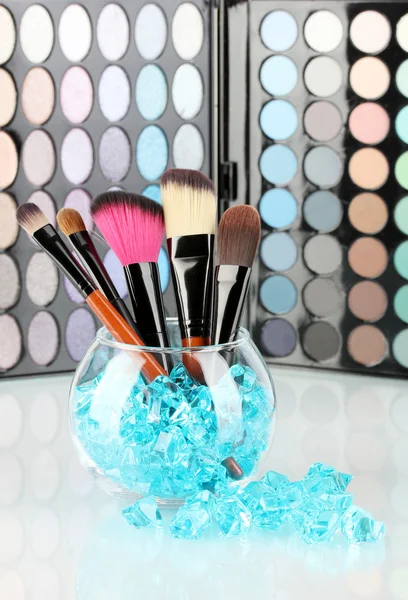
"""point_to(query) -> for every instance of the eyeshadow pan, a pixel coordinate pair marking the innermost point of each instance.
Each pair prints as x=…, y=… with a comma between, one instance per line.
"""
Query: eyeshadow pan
x=323, y=211
x=368, y=301
x=72, y=292
x=279, y=31
x=10, y=342
x=151, y=31
x=7, y=35
x=278, y=164
x=188, y=148
x=321, y=341
x=323, y=76
x=151, y=92
x=164, y=269
x=370, y=78
x=401, y=303
x=401, y=215
x=278, y=75
x=278, y=119
x=368, y=213
x=75, y=33
x=8, y=160
x=77, y=156
x=153, y=192
x=38, y=157
x=323, y=167
x=44, y=201
x=114, y=154
x=400, y=348
x=113, y=32
x=323, y=31
x=369, y=168
x=323, y=121
x=322, y=298
x=79, y=333
x=402, y=32
x=187, y=31
x=114, y=93
x=38, y=96
x=323, y=254
x=115, y=270
x=278, y=338
x=368, y=257
x=402, y=78
x=401, y=124
x=8, y=94
x=279, y=251
x=152, y=153
x=41, y=279
x=76, y=95
x=8, y=223
x=43, y=338
x=187, y=91
x=80, y=200
x=36, y=33
x=10, y=278
x=278, y=294
x=369, y=123
x=370, y=32
x=278, y=208
x=401, y=259
x=366, y=344
x=401, y=170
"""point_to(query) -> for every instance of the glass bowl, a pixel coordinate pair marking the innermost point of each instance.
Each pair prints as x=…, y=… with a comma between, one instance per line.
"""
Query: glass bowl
x=206, y=425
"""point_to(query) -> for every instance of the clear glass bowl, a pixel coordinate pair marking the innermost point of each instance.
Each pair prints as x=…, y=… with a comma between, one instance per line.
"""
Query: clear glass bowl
x=201, y=427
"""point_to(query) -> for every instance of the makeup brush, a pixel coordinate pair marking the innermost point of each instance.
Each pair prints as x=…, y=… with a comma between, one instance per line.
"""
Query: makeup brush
x=34, y=222
x=239, y=232
x=73, y=226
x=189, y=206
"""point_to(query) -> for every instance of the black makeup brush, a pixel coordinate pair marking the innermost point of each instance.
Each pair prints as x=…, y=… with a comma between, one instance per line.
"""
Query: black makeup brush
x=230, y=3
x=189, y=206
x=73, y=226
x=238, y=238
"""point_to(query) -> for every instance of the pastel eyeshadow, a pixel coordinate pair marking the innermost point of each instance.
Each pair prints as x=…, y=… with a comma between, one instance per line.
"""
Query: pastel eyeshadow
x=72, y=292
x=369, y=168
x=278, y=164
x=11, y=284
x=11, y=342
x=278, y=120
x=114, y=154
x=8, y=160
x=323, y=31
x=151, y=92
x=115, y=270
x=368, y=301
x=401, y=124
x=79, y=333
x=401, y=303
x=401, y=170
x=114, y=93
x=370, y=78
x=321, y=341
x=278, y=338
x=369, y=123
x=150, y=31
x=278, y=294
x=401, y=259
x=41, y=279
x=152, y=152
x=368, y=213
x=323, y=167
x=279, y=251
x=400, y=348
x=38, y=157
x=36, y=33
x=278, y=75
x=187, y=91
x=75, y=33
x=113, y=32
x=38, y=96
x=402, y=32
x=77, y=156
x=370, y=32
x=187, y=31
x=44, y=201
x=76, y=95
x=164, y=269
x=153, y=192
x=9, y=228
x=401, y=215
x=279, y=31
x=323, y=211
x=322, y=298
x=322, y=121
x=401, y=78
x=323, y=254
x=80, y=200
x=7, y=35
x=8, y=95
x=323, y=76
x=188, y=148
x=278, y=208
x=43, y=338
x=367, y=345
x=368, y=257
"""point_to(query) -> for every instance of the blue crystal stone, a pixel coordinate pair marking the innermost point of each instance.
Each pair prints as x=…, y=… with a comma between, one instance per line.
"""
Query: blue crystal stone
x=200, y=397
x=266, y=506
x=182, y=378
x=199, y=498
x=204, y=465
x=232, y=516
x=171, y=446
x=84, y=402
x=342, y=479
x=190, y=522
x=165, y=401
x=201, y=427
x=144, y=513
x=274, y=480
x=358, y=526
x=244, y=377
x=321, y=526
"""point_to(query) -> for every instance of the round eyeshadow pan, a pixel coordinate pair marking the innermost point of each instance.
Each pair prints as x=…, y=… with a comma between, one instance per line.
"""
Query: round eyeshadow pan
x=278, y=119
x=11, y=343
x=323, y=121
x=402, y=78
x=188, y=148
x=401, y=303
x=114, y=93
x=38, y=96
x=115, y=269
x=279, y=31
x=322, y=298
x=323, y=211
x=321, y=341
x=370, y=78
x=38, y=157
x=115, y=154
x=278, y=294
x=79, y=333
x=323, y=167
x=80, y=200
x=76, y=95
x=278, y=164
x=323, y=76
x=368, y=301
x=36, y=33
x=278, y=208
x=368, y=213
x=402, y=32
x=7, y=35
x=278, y=75
x=401, y=260
x=323, y=31
x=77, y=156
x=164, y=269
x=279, y=251
x=401, y=170
x=323, y=254
x=369, y=123
x=150, y=31
x=278, y=338
x=75, y=33
x=187, y=31
x=187, y=91
x=151, y=92
x=152, y=153
x=44, y=201
x=401, y=215
x=8, y=95
x=153, y=192
x=8, y=223
x=400, y=348
x=368, y=257
x=43, y=338
x=72, y=292
x=8, y=160
x=370, y=32
x=369, y=168
x=401, y=124
x=41, y=279
x=11, y=284
x=113, y=32
x=367, y=345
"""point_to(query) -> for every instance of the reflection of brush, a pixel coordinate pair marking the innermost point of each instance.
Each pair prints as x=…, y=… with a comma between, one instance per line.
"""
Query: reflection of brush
x=73, y=226
x=239, y=232
x=189, y=211
x=34, y=222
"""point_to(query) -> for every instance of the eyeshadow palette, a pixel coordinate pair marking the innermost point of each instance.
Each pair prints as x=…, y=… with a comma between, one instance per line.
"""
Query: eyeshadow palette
x=92, y=96
x=328, y=157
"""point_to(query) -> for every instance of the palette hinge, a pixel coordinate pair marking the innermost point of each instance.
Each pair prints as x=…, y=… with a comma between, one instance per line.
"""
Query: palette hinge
x=228, y=181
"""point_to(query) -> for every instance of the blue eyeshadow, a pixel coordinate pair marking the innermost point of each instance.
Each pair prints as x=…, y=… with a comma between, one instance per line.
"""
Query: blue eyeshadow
x=279, y=31
x=151, y=92
x=278, y=75
x=279, y=251
x=278, y=164
x=278, y=119
x=153, y=192
x=278, y=294
x=164, y=269
x=278, y=208
x=152, y=153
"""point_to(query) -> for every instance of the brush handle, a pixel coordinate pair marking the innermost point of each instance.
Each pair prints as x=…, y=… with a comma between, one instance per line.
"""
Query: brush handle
x=122, y=332
x=230, y=292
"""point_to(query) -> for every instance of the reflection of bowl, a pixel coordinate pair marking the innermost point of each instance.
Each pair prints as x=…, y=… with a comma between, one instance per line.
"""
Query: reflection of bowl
x=171, y=437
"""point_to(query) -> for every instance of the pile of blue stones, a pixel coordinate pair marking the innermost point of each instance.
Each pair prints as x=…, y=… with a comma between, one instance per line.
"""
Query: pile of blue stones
x=318, y=508
x=169, y=438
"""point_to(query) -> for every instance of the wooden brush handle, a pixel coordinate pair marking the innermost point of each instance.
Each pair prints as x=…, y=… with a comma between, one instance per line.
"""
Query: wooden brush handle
x=189, y=360
x=192, y=342
x=122, y=331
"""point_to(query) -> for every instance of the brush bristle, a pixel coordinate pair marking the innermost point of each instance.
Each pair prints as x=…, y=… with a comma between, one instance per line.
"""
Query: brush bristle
x=70, y=221
x=239, y=232
x=235, y=2
x=31, y=218
x=132, y=225
x=189, y=203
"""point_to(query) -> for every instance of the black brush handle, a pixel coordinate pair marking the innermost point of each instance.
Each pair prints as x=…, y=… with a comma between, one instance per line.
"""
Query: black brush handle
x=231, y=289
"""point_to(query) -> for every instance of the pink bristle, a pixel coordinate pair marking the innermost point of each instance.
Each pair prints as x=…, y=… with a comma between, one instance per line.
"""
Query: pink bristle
x=132, y=225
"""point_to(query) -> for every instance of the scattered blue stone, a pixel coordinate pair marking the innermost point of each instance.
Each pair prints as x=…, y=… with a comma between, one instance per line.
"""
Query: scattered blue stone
x=267, y=507
x=190, y=521
x=144, y=513
x=321, y=526
x=274, y=480
x=342, y=479
x=359, y=526
x=231, y=515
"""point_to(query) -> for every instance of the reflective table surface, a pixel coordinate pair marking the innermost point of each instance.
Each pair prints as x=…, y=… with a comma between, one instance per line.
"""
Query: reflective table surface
x=61, y=538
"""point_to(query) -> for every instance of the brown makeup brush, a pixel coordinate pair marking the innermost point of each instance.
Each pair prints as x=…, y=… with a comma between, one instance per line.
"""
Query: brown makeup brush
x=34, y=222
